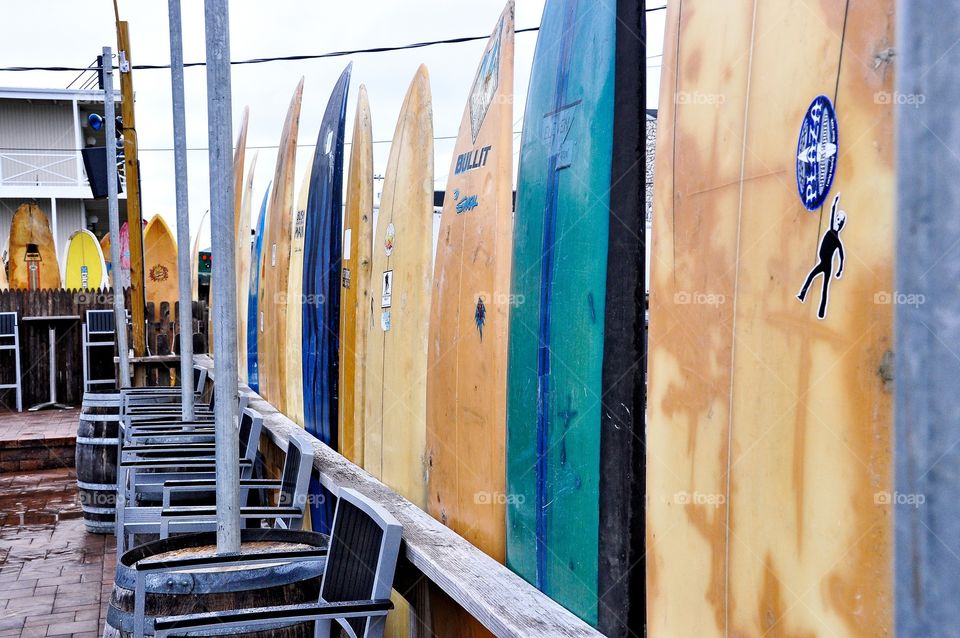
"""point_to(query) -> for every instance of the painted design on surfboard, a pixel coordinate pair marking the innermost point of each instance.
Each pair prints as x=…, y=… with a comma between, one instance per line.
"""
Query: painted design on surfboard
x=480, y=316
x=485, y=84
x=158, y=272
x=389, y=239
x=471, y=160
x=466, y=204
x=253, y=363
x=830, y=245
x=817, y=153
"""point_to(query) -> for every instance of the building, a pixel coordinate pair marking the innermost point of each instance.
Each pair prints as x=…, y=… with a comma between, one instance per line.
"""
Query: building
x=41, y=134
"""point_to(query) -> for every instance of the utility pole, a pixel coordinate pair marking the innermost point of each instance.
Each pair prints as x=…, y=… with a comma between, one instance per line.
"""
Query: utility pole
x=224, y=277
x=183, y=211
x=131, y=166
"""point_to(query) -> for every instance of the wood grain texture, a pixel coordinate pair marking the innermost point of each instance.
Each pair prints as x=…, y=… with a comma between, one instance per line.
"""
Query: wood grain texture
x=30, y=226
x=355, y=304
x=83, y=265
x=243, y=268
x=160, y=263
x=275, y=262
x=768, y=433
x=292, y=350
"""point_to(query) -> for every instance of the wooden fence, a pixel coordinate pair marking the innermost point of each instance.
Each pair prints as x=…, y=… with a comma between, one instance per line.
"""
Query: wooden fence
x=162, y=330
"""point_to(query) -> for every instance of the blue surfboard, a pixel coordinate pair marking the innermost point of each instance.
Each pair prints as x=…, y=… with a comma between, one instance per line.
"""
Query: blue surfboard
x=253, y=368
x=321, y=286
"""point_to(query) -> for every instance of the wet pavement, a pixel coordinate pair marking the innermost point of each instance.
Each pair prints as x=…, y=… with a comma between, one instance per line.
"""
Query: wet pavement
x=55, y=578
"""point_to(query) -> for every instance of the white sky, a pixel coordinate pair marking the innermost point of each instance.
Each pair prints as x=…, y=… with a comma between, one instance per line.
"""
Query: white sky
x=66, y=33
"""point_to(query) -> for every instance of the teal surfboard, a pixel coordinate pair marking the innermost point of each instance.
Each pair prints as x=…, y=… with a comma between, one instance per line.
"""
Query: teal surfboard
x=557, y=320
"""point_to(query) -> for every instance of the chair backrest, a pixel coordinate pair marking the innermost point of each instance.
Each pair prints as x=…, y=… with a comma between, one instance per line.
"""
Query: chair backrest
x=199, y=378
x=295, y=479
x=8, y=324
x=251, y=423
x=364, y=544
x=100, y=322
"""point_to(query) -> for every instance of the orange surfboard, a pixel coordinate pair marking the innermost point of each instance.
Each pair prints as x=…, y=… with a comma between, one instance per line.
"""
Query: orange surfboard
x=32, y=256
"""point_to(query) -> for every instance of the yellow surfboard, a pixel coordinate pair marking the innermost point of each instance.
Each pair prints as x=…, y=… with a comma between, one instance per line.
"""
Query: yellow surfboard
x=396, y=367
x=355, y=310
x=83, y=267
x=32, y=255
x=292, y=351
x=275, y=263
x=243, y=269
x=160, y=264
x=769, y=418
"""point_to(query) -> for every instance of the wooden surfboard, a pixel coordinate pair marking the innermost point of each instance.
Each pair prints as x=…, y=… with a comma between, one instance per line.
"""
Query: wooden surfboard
x=292, y=352
x=239, y=156
x=243, y=269
x=253, y=293
x=83, y=266
x=32, y=255
x=559, y=279
x=275, y=264
x=124, y=255
x=769, y=427
x=4, y=284
x=160, y=264
x=396, y=367
x=467, y=360
x=355, y=311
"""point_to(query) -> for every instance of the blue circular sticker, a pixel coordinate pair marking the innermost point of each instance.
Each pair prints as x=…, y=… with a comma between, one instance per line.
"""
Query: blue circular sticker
x=817, y=153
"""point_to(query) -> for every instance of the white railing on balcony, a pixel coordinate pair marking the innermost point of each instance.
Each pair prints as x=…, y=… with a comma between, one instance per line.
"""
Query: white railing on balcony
x=45, y=168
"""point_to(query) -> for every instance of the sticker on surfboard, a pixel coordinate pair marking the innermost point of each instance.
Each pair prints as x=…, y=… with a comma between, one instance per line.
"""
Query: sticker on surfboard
x=390, y=239
x=485, y=84
x=480, y=316
x=817, y=152
x=385, y=320
x=830, y=245
x=386, y=291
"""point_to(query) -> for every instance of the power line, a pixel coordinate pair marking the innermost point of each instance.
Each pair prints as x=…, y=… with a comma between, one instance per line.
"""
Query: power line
x=288, y=58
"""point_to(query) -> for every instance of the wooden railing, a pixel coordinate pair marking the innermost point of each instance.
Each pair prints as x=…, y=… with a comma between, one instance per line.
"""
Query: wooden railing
x=499, y=599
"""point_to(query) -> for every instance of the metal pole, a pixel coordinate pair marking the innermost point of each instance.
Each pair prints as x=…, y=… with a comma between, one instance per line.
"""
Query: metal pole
x=927, y=323
x=217, y=22
x=183, y=212
x=113, y=214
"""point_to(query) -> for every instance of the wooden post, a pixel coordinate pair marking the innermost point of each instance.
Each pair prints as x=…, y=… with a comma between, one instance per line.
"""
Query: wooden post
x=927, y=320
x=134, y=214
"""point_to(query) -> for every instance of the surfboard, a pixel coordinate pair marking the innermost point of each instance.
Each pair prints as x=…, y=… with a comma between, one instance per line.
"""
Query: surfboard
x=396, y=367
x=557, y=323
x=275, y=265
x=292, y=351
x=355, y=310
x=467, y=360
x=32, y=254
x=160, y=264
x=83, y=267
x=253, y=311
x=203, y=231
x=769, y=426
x=243, y=269
x=4, y=284
x=124, y=254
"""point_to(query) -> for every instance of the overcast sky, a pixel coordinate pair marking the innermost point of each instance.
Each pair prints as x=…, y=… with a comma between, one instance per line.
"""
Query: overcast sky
x=68, y=33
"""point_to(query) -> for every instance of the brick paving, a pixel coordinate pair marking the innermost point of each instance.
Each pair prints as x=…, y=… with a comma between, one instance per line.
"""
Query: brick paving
x=37, y=440
x=55, y=578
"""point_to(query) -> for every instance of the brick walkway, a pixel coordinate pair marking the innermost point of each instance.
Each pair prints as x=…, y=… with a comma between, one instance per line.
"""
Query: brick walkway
x=55, y=579
x=32, y=441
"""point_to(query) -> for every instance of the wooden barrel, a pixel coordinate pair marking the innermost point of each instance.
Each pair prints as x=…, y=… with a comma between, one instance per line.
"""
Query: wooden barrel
x=96, y=460
x=221, y=589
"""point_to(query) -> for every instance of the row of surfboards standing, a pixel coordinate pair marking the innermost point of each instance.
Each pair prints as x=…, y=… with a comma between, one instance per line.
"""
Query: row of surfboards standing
x=470, y=384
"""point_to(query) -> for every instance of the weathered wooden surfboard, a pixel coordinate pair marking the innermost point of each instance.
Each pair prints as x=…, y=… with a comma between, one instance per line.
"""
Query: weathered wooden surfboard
x=275, y=265
x=396, y=367
x=160, y=264
x=83, y=266
x=467, y=356
x=243, y=269
x=4, y=284
x=32, y=254
x=292, y=351
x=559, y=281
x=355, y=309
x=770, y=418
x=253, y=310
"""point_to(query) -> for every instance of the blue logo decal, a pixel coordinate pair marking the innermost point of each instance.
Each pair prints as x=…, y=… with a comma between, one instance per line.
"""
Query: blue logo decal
x=817, y=153
x=467, y=204
x=480, y=316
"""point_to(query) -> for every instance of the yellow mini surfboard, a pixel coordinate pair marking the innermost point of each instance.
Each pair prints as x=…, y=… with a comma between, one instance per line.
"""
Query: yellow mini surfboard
x=83, y=267
x=275, y=264
x=32, y=254
x=160, y=264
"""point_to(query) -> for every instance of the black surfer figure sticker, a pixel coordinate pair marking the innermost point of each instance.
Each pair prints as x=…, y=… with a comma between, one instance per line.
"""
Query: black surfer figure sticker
x=817, y=153
x=830, y=245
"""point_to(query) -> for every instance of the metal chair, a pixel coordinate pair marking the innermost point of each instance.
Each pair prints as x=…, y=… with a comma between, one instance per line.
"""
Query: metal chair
x=99, y=331
x=354, y=592
x=10, y=340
